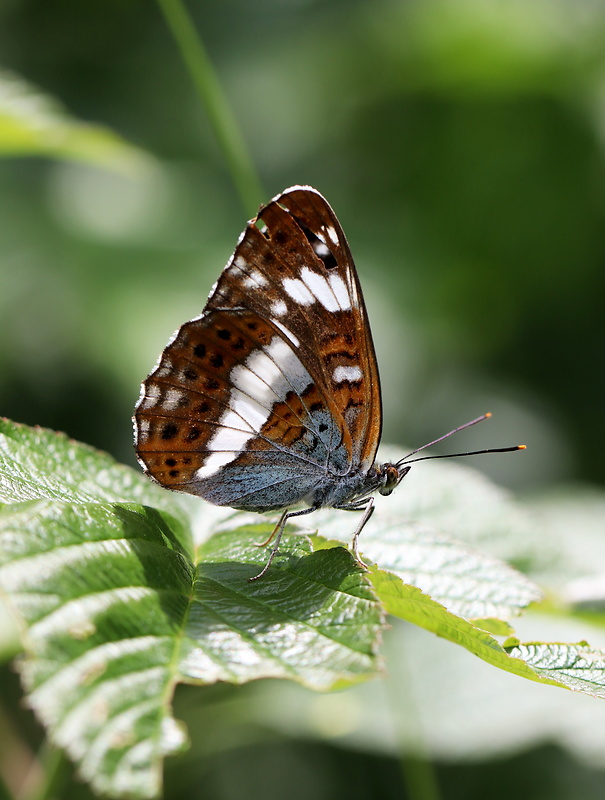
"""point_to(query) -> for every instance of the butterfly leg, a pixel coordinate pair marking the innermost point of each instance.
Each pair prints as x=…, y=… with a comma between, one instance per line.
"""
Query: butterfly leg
x=367, y=506
x=278, y=532
x=280, y=524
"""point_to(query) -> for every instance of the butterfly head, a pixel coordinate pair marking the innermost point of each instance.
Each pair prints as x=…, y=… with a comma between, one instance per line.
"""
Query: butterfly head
x=390, y=476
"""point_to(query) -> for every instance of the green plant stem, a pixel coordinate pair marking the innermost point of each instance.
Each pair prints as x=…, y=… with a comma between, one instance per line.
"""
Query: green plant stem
x=213, y=99
x=419, y=778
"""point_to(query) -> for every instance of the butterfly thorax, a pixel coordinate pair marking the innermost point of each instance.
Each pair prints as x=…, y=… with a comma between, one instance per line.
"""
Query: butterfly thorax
x=336, y=492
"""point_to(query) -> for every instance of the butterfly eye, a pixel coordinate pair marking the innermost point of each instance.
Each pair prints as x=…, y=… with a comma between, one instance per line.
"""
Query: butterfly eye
x=391, y=477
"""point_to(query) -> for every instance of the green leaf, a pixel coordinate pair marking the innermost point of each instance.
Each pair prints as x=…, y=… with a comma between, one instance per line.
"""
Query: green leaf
x=102, y=591
x=413, y=605
x=33, y=124
x=466, y=581
x=117, y=608
x=578, y=667
x=313, y=619
x=123, y=590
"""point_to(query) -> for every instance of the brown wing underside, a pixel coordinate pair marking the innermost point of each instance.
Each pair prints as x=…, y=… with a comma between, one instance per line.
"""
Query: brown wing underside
x=290, y=294
x=297, y=225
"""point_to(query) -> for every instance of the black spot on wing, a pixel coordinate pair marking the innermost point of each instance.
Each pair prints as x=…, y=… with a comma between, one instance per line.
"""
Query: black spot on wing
x=169, y=431
x=193, y=434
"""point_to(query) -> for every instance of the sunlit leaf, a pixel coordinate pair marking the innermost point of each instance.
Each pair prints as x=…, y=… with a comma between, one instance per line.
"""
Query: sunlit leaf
x=413, y=605
x=578, y=667
x=122, y=596
x=117, y=608
x=572, y=666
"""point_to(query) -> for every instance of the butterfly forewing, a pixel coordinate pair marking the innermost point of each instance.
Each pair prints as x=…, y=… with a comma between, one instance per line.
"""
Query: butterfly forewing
x=300, y=274
x=346, y=349
x=276, y=384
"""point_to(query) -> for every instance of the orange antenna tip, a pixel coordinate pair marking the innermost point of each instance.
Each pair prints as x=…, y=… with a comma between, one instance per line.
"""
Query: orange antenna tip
x=522, y=447
x=488, y=415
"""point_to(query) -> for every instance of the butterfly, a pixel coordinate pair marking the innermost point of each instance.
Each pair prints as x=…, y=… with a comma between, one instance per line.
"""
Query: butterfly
x=271, y=397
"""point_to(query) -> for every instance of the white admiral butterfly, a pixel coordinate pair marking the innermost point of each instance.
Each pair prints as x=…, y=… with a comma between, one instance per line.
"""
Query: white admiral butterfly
x=271, y=398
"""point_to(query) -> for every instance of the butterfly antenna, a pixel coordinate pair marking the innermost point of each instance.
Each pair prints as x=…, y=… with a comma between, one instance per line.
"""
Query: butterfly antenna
x=406, y=459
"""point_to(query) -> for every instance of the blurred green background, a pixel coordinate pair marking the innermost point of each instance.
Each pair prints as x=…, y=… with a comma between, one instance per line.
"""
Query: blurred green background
x=462, y=145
